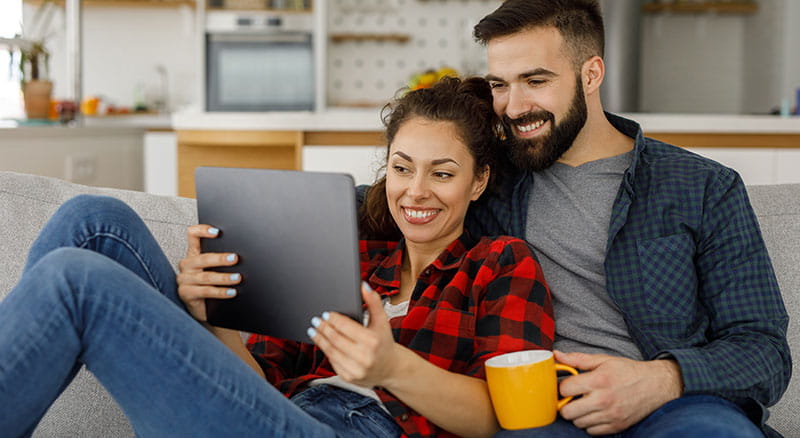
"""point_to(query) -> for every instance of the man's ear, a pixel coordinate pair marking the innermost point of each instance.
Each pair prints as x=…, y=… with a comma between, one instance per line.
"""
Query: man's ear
x=592, y=74
x=480, y=183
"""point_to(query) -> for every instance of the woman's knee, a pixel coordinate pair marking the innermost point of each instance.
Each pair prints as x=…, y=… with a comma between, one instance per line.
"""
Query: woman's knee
x=89, y=205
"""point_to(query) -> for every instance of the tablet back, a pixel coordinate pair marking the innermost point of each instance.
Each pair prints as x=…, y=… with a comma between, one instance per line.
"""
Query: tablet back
x=297, y=240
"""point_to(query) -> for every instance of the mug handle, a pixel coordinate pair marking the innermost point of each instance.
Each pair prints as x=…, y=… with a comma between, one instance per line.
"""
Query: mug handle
x=561, y=367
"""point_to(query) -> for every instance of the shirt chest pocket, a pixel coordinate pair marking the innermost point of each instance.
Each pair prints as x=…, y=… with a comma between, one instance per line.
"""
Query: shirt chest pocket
x=667, y=269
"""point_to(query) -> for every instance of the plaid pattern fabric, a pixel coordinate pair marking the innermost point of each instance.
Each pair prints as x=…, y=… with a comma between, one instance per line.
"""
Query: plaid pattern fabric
x=478, y=299
x=687, y=266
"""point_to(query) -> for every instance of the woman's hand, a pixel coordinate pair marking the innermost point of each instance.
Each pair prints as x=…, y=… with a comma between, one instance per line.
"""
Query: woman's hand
x=366, y=356
x=195, y=284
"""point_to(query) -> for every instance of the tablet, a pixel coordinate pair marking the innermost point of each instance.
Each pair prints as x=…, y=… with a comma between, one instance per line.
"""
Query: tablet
x=296, y=236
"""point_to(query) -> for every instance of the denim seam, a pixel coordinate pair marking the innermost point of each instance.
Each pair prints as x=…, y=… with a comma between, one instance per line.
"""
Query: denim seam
x=130, y=247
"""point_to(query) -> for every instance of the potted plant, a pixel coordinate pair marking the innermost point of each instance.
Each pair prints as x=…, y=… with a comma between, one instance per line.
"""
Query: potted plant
x=34, y=58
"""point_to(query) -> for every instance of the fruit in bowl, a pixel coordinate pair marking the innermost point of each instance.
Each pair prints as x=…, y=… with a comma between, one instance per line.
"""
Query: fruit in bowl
x=429, y=77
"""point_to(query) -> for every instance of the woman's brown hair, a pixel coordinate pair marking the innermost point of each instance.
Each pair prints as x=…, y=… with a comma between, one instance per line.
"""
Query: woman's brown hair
x=468, y=105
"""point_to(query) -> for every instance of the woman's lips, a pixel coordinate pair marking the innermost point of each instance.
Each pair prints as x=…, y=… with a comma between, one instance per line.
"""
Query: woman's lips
x=420, y=216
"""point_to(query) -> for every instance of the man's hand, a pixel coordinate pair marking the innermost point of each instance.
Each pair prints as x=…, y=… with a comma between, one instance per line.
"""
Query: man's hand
x=616, y=392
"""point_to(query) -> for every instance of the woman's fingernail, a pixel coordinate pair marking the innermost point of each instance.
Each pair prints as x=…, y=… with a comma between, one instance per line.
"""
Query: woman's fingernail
x=213, y=231
x=326, y=315
x=367, y=286
x=315, y=321
x=230, y=292
x=235, y=277
x=231, y=257
x=311, y=332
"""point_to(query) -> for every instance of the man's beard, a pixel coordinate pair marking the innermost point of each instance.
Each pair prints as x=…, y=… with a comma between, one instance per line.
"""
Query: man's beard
x=540, y=153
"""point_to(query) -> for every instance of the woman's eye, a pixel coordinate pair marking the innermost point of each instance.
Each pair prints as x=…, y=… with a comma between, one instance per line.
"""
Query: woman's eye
x=443, y=175
x=400, y=169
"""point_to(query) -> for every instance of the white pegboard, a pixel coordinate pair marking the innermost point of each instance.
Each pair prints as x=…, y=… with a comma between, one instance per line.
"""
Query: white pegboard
x=370, y=72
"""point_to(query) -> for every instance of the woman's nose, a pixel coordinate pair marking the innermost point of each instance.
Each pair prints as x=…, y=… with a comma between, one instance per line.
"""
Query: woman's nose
x=418, y=187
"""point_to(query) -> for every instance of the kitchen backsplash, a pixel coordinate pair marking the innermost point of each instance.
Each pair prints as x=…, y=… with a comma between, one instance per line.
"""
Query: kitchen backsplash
x=365, y=69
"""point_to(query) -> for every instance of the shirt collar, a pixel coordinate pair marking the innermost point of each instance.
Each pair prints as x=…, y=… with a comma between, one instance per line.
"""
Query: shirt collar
x=633, y=130
x=387, y=274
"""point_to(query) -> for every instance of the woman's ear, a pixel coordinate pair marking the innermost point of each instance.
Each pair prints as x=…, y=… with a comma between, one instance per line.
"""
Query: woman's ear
x=480, y=183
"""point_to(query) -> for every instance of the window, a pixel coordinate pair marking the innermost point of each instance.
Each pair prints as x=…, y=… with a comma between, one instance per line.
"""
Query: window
x=10, y=97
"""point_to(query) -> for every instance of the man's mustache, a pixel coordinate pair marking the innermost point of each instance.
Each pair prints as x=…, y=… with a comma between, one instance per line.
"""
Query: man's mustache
x=528, y=118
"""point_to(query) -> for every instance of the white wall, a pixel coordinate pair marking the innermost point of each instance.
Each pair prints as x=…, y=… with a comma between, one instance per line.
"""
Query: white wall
x=692, y=63
x=721, y=63
x=123, y=46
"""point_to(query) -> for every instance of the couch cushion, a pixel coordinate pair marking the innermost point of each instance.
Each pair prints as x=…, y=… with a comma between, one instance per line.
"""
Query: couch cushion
x=85, y=409
x=778, y=211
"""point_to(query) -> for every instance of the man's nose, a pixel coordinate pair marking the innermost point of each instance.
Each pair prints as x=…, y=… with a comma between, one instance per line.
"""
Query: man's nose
x=518, y=103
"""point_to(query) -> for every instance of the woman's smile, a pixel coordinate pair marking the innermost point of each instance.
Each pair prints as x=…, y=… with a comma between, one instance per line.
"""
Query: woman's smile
x=420, y=215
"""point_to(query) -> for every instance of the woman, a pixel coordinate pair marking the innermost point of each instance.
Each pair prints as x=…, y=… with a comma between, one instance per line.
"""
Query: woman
x=98, y=291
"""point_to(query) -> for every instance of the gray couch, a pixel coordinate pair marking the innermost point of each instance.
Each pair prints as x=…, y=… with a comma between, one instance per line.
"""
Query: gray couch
x=86, y=410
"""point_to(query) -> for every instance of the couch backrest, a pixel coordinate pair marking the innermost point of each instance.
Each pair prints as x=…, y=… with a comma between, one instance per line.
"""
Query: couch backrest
x=778, y=210
x=86, y=410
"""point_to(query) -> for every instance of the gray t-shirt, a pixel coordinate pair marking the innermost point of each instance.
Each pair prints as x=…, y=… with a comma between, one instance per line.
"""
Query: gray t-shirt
x=568, y=218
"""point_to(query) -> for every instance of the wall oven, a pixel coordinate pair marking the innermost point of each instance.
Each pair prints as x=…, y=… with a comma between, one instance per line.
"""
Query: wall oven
x=259, y=62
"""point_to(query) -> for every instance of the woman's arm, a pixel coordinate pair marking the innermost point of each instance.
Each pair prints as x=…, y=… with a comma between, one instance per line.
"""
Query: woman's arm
x=457, y=403
x=369, y=356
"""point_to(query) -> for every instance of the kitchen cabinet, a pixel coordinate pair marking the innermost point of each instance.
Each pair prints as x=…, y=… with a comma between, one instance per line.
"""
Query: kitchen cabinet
x=763, y=149
x=161, y=163
x=101, y=157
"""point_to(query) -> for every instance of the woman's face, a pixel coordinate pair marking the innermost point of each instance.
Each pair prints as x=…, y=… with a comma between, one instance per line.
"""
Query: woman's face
x=430, y=180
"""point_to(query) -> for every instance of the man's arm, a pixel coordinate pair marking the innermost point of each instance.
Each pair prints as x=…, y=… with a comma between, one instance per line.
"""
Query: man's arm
x=747, y=356
x=744, y=356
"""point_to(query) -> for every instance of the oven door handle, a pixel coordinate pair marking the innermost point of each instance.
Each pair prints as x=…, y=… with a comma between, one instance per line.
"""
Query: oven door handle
x=282, y=37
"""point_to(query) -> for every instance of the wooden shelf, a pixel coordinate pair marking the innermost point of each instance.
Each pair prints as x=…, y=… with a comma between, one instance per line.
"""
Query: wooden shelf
x=274, y=11
x=388, y=37
x=125, y=3
x=693, y=8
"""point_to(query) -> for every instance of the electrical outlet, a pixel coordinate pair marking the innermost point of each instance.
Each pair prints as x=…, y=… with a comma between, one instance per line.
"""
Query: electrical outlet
x=81, y=170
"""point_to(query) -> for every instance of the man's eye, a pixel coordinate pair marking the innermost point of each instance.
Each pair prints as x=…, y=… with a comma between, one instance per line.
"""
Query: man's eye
x=536, y=82
x=494, y=85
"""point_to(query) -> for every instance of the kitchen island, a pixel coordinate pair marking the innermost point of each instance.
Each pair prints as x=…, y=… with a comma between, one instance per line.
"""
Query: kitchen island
x=764, y=149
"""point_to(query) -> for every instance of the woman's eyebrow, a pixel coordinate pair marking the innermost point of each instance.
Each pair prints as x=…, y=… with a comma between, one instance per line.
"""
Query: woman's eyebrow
x=444, y=160
x=435, y=162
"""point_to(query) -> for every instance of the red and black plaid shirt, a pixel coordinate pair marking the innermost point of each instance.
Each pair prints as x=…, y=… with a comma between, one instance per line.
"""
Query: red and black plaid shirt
x=477, y=300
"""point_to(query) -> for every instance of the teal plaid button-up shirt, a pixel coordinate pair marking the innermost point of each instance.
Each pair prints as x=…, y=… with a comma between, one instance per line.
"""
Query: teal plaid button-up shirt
x=687, y=266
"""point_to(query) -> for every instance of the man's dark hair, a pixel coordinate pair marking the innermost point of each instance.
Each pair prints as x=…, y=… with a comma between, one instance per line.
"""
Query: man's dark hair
x=580, y=23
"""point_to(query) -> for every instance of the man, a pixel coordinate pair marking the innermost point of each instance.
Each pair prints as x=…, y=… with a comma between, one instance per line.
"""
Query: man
x=664, y=293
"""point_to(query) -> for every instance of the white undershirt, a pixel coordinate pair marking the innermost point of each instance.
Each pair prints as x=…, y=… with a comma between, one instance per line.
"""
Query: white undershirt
x=392, y=311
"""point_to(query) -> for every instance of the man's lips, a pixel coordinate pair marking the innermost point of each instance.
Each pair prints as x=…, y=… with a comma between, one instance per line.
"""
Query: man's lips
x=531, y=129
x=420, y=216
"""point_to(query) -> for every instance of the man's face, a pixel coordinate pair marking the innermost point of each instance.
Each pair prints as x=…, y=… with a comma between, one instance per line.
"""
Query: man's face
x=538, y=95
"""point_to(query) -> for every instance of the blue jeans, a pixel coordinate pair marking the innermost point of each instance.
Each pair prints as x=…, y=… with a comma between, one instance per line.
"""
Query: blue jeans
x=98, y=291
x=692, y=416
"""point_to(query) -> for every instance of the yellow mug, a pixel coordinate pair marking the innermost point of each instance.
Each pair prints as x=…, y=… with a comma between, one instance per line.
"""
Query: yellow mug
x=524, y=388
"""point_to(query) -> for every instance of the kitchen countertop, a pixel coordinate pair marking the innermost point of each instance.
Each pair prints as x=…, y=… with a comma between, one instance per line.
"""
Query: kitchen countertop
x=92, y=124
x=368, y=119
